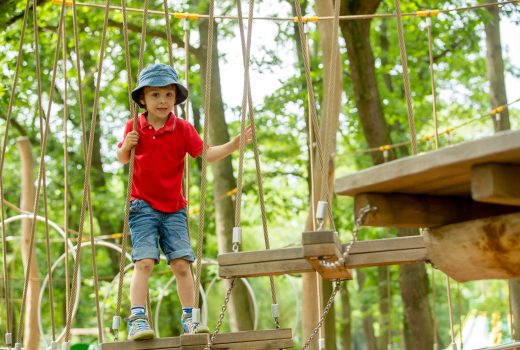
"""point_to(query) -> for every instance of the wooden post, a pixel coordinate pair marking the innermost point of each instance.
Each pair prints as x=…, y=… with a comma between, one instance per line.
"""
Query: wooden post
x=32, y=335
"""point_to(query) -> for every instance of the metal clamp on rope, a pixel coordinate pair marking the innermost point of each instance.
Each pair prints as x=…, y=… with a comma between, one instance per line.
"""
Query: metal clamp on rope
x=275, y=310
x=195, y=315
x=321, y=343
x=54, y=345
x=65, y=345
x=237, y=238
x=116, y=321
x=8, y=339
x=321, y=211
x=18, y=346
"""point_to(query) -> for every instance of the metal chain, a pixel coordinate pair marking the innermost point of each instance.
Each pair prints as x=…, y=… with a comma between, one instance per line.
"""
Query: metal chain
x=357, y=224
x=322, y=318
x=221, y=316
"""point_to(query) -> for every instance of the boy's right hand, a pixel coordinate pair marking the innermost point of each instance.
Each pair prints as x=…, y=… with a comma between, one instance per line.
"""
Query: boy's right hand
x=131, y=140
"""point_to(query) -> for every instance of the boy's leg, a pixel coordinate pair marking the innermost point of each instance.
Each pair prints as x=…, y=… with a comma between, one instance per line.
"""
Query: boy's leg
x=186, y=291
x=185, y=285
x=138, y=326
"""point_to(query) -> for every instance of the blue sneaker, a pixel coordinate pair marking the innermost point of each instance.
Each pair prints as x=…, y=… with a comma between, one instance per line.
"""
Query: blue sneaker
x=139, y=328
x=190, y=327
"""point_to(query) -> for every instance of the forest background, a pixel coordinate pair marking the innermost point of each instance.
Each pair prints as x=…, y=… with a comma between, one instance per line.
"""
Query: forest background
x=402, y=307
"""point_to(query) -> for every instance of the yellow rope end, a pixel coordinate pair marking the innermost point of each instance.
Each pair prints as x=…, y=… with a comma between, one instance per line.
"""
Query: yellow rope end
x=427, y=137
x=499, y=109
x=232, y=192
x=116, y=235
x=307, y=19
x=427, y=13
x=385, y=148
x=59, y=2
x=186, y=15
x=448, y=130
x=194, y=211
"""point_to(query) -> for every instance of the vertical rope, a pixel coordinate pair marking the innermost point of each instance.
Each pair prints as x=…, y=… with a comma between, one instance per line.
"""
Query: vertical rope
x=452, y=332
x=312, y=101
x=404, y=62
x=168, y=31
x=130, y=166
x=186, y=186
x=207, y=111
x=511, y=318
x=9, y=326
x=246, y=53
x=65, y=173
x=41, y=176
x=432, y=78
x=86, y=185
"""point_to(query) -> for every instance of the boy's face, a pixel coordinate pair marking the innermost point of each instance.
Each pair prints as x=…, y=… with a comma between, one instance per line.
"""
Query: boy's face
x=159, y=101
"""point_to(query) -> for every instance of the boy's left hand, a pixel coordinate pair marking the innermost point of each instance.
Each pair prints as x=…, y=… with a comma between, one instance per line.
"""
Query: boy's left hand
x=248, y=132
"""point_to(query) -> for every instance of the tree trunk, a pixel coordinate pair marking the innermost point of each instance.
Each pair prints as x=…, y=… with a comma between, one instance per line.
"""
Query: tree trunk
x=384, y=308
x=32, y=335
x=224, y=181
x=364, y=83
x=368, y=321
x=346, y=319
x=413, y=281
x=495, y=68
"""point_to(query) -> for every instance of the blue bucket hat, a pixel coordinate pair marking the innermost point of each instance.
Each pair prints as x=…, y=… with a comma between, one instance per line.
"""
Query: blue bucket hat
x=159, y=75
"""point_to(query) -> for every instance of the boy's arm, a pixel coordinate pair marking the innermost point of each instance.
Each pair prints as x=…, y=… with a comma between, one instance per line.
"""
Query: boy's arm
x=215, y=153
x=123, y=153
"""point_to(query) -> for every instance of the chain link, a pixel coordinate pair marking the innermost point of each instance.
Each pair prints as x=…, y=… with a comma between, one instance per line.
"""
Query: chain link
x=221, y=316
x=322, y=318
x=357, y=224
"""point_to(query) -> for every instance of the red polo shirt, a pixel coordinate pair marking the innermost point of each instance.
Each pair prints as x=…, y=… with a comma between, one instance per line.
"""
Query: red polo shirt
x=159, y=161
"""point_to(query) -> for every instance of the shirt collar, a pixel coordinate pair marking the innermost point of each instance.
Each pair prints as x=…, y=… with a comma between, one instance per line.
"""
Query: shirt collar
x=169, y=126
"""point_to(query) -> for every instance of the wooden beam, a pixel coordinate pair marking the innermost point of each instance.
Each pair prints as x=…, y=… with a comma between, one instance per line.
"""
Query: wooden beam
x=415, y=211
x=381, y=252
x=480, y=249
x=255, y=340
x=173, y=343
x=496, y=183
x=442, y=172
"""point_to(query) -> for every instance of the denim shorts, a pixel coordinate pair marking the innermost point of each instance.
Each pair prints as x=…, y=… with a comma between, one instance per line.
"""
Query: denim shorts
x=152, y=229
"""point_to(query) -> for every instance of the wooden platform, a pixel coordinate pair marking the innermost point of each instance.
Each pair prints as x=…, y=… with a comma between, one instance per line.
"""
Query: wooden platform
x=250, y=340
x=468, y=181
x=381, y=252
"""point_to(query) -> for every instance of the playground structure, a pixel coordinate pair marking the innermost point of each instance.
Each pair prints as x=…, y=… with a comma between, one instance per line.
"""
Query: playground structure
x=422, y=191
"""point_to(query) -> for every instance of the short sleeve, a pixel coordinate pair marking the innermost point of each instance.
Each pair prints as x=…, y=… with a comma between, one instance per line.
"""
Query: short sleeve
x=194, y=143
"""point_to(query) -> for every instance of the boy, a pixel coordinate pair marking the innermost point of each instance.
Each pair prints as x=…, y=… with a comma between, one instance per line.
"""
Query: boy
x=157, y=207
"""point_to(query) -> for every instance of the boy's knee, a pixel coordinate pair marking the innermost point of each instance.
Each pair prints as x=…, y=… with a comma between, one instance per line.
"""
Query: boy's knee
x=145, y=265
x=180, y=266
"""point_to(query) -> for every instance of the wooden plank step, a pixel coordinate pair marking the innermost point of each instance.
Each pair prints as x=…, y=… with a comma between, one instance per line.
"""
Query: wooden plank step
x=443, y=172
x=480, y=249
x=255, y=340
x=258, y=339
x=381, y=252
x=173, y=343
